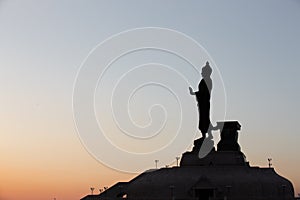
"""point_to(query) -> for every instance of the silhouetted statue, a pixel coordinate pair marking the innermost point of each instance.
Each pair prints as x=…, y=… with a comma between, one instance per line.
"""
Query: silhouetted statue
x=203, y=98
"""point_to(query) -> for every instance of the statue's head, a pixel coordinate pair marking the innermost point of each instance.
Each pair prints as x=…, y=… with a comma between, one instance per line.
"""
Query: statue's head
x=206, y=70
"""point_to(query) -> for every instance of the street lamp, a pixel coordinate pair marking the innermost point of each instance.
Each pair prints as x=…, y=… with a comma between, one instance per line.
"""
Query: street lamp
x=270, y=164
x=92, y=190
x=177, y=159
x=156, y=161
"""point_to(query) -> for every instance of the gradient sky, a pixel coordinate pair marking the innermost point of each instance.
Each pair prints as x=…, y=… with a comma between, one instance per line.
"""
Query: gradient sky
x=255, y=45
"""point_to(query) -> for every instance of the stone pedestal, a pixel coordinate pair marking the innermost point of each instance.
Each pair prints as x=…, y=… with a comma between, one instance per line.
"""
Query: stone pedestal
x=228, y=150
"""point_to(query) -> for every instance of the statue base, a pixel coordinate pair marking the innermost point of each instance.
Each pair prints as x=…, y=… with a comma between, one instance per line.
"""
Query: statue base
x=228, y=153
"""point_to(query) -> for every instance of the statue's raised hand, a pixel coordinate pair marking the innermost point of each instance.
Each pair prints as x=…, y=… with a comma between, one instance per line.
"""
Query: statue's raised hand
x=191, y=91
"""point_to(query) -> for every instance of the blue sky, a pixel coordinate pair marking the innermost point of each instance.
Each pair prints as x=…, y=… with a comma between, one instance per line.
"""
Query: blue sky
x=255, y=45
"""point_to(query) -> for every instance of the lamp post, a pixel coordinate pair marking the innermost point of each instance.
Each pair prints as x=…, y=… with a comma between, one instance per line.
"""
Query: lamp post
x=156, y=161
x=177, y=159
x=270, y=164
x=92, y=190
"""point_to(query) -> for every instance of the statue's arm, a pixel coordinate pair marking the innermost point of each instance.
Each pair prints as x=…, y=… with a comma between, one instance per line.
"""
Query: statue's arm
x=191, y=91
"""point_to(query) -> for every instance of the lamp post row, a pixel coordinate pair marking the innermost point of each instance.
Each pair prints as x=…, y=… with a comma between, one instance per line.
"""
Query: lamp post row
x=177, y=162
x=156, y=162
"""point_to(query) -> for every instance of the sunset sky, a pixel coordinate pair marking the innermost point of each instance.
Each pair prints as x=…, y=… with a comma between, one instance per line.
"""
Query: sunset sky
x=254, y=45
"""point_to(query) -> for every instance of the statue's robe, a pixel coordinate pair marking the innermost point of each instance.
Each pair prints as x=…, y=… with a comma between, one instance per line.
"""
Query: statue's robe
x=203, y=98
